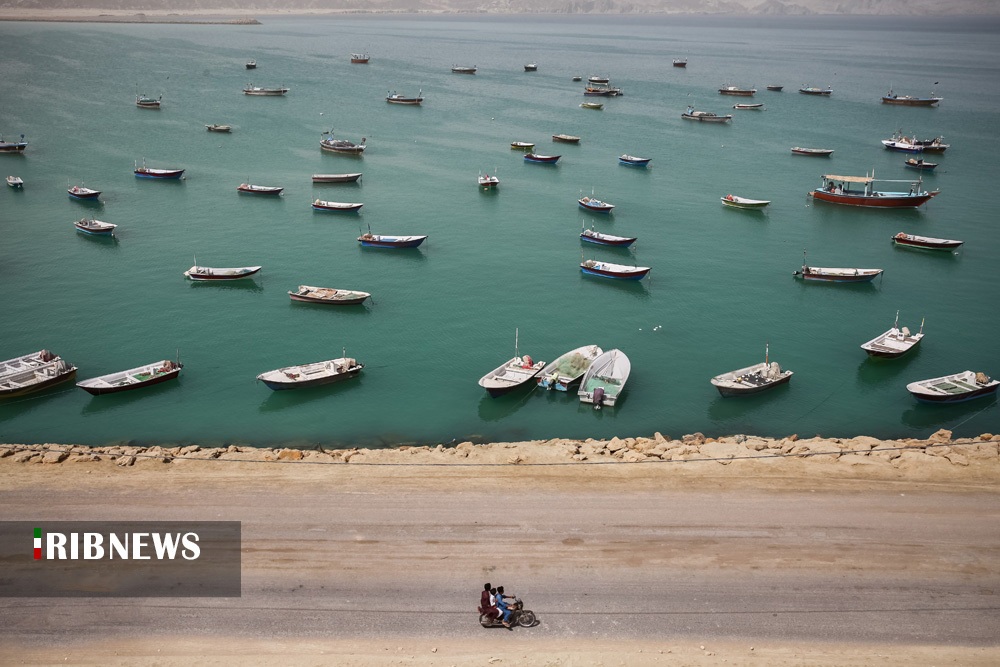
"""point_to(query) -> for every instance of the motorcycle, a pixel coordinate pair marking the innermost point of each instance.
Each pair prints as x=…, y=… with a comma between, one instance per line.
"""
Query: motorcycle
x=518, y=616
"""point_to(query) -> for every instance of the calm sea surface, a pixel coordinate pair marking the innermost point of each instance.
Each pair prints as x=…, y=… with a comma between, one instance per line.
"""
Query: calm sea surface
x=721, y=283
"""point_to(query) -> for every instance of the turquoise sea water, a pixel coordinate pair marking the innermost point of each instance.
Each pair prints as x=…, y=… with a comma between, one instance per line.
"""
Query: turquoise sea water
x=721, y=282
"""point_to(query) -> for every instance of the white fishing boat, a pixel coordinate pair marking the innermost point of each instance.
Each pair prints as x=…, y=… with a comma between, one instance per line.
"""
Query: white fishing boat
x=207, y=273
x=895, y=342
x=311, y=375
x=513, y=373
x=955, y=388
x=95, y=227
x=743, y=202
x=604, y=381
x=33, y=372
x=568, y=368
x=134, y=378
x=752, y=379
x=15, y=182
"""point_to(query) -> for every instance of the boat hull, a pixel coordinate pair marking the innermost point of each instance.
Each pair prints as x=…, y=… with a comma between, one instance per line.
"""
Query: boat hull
x=542, y=159
x=392, y=243
x=614, y=274
x=979, y=392
x=201, y=276
x=85, y=195
x=616, y=242
x=109, y=231
x=634, y=163
x=335, y=178
x=328, y=302
x=116, y=389
x=17, y=147
x=315, y=382
x=923, y=243
x=349, y=208
x=729, y=391
x=162, y=174
x=888, y=200
x=866, y=277
x=39, y=386
x=813, y=152
x=911, y=101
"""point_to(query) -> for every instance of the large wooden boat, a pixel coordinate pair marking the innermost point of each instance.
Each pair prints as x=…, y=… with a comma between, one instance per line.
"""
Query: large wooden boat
x=743, y=202
x=812, y=90
x=591, y=236
x=568, y=368
x=605, y=380
x=812, y=152
x=396, y=98
x=592, y=267
x=336, y=206
x=208, y=273
x=33, y=372
x=250, y=189
x=595, y=205
x=835, y=275
x=335, y=178
x=752, y=379
x=908, y=101
x=311, y=375
x=541, y=159
x=133, y=378
x=893, y=343
x=925, y=242
x=328, y=296
x=342, y=146
x=705, y=116
x=149, y=172
x=80, y=192
x=736, y=90
x=264, y=92
x=144, y=102
x=900, y=142
x=956, y=388
x=369, y=240
x=837, y=190
x=95, y=227
x=633, y=161
x=13, y=146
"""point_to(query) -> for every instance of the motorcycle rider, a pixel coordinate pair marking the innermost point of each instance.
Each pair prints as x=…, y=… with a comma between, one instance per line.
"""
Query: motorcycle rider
x=501, y=600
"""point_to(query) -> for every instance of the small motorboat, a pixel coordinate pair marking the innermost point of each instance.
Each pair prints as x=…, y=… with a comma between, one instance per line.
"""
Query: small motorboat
x=680, y=63
x=247, y=188
x=259, y=91
x=15, y=182
x=311, y=375
x=396, y=98
x=521, y=146
x=633, y=161
x=342, y=146
x=207, y=273
x=251, y=64
x=956, y=388
x=369, y=240
x=595, y=205
x=566, y=138
x=95, y=227
x=705, y=116
x=458, y=69
x=774, y=89
x=80, y=192
x=893, y=343
x=144, y=102
x=531, y=67
x=752, y=379
x=328, y=296
x=13, y=146
x=925, y=242
x=360, y=58
x=568, y=368
x=736, y=90
x=487, y=181
x=835, y=275
x=592, y=105
x=134, y=378
x=335, y=178
x=812, y=152
x=749, y=107
x=336, y=206
x=541, y=159
x=599, y=80
x=33, y=372
x=812, y=90
x=219, y=128
x=920, y=164
x=148, y=172
x=577, y=78
x=605, y=380
x=592, y=267
x=742, y=202
x=591, y=236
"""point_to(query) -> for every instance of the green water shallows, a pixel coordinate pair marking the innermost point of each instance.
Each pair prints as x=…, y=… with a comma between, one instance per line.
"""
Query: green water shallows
x=443, y=315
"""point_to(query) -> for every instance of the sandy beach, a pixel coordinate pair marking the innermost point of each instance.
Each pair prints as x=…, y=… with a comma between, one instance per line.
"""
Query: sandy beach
x=702, y=551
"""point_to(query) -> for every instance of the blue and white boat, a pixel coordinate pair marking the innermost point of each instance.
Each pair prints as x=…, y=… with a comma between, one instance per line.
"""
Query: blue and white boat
x=592, y=267
x=633, y=161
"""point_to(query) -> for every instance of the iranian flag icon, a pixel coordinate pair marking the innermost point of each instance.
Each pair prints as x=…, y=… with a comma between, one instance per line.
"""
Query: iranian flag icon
x=38, y=544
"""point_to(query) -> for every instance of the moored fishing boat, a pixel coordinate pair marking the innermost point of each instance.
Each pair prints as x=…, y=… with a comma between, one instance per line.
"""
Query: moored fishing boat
x=736, y=90
x=360, y=58
x=149, y=172
x=95, y=227
x=812, y=152
x=909, y=101
x=900, y=142
x=459, y=69
x=592, y=267
x=259, y=91
x=749, y=107
x=592, y=105
x=328, y=296
x=311, y=375
x=251, y=64
x=144, y=102
x=215, y=127
x=605, y=380
x=33, y=372
x=598, y=80
x=369, y=240
x=566, y=138
x=835, y=275
x=895, y=342
x=752, y=379
x=13, y=146
x=133, y=378
x=487, y=181
x=837, y=190
x=568, y=368
x=343, y=146
x=678, y=62
x=512, y=374
x=955, y=388
x=541, y=159
x=531, y=67
x=925, y=242
x=250, y=189
x=80, y=192
x=919, y=164
x=595, y=205
x=774, y=88
x=15, y=182
x=743, y=202
x=521, y=145
x=633, y=161
x=812, y=90
x=396, y=98
x=591, y=236
x=208, y=273
x=335, y=178
x=705, y=116
x=336, y=206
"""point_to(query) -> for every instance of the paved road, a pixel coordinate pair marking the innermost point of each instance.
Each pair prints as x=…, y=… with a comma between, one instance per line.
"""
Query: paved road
x=383, y=558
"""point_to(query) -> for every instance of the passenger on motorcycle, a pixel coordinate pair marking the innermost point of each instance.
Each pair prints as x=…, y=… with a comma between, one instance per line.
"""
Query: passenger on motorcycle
x=487, y=602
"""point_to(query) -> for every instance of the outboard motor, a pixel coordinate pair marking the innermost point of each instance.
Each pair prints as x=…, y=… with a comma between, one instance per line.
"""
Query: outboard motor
x=598, y=397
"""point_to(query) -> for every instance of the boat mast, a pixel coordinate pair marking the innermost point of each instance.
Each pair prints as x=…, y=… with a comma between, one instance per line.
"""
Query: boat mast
x=766, y=350
x=921, y=325
x=515, y=343
x=895, y=325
